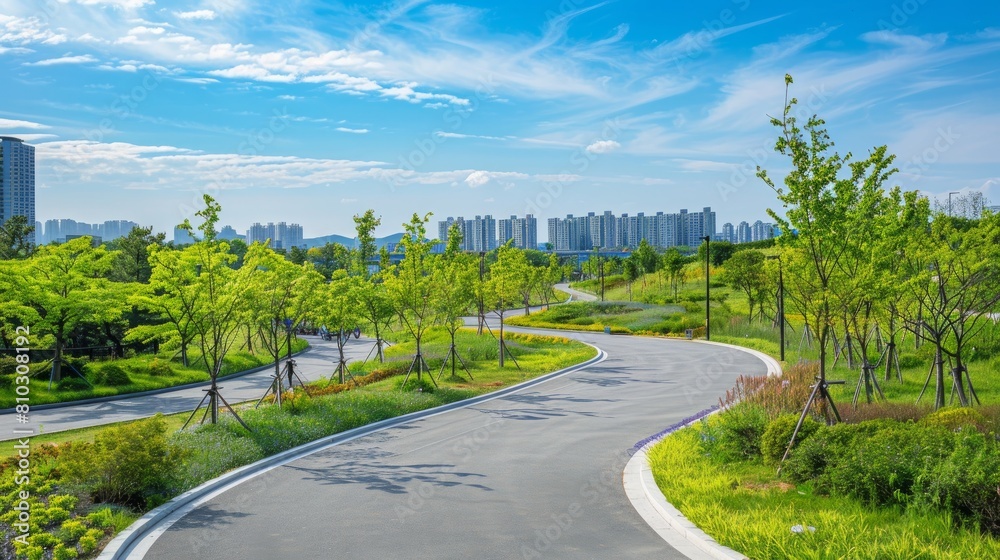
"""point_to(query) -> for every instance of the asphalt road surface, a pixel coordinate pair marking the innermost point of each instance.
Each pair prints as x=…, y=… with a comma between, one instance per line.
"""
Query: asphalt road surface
x=535, y=474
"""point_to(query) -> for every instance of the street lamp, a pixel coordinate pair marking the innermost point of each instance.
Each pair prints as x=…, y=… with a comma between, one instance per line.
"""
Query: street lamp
x=708, y=293
x=781, y=304
x=949, y=201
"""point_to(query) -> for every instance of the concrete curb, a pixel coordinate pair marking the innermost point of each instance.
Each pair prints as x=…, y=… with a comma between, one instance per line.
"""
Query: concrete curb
x=126, y=396
x=653, y=507
x=141, y=535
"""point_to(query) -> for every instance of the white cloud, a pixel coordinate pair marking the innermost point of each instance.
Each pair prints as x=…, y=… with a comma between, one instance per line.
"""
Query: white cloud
x=200, y=81
x=289, y=97
x=603, y=147
x=118, y=4
x=78, y=59
x=457, y=135
x=477, y=179
x=13, y=123
x=352, y=130
x=196, y=14
x=23, y=31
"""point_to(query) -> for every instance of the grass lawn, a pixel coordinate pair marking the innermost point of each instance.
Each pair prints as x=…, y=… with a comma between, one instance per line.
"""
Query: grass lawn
x=145, y=373
x=743, y=506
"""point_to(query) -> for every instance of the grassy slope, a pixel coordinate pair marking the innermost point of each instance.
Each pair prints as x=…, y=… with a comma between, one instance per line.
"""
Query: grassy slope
x=142, y=379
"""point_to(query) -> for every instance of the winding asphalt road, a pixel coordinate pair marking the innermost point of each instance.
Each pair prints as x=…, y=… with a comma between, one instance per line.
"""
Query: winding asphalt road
x=535, y=474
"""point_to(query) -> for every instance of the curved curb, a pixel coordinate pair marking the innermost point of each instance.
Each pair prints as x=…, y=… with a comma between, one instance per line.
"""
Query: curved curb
x=653, y=507
x=141, y=535
x=160, y=391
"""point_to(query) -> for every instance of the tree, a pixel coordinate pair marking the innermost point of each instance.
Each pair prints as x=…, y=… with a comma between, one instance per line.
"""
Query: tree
x=954, y=281
x=745, y=271
x=631, y=271
x=721, y=252
x=222, y=291
x=548, y=278
x=673, y=263
x=409, y=285
x=173, y=294
x=279, y=290
x=340, y=312
x=503, y=288
x=365, y=225
x=376, y=309
x=59, y=288
x=15, y=238
x=330, y=257
x=818, y=202
x=131, y=263
x=453, y=285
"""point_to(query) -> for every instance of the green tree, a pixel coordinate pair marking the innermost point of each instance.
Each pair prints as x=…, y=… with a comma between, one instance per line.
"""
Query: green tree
x=721, y=252
x=376, y=309
x=279, y=290
x=745, y=271
x=173, y=294
x=131, y=263
x=631, y=272
x=222, y=291
x=60, y=288
x=365, y=225
x=340, y=312
x=453, y=284
x=409, y=285
x=504, y=286
x=818, y=202
x=954, y=280
x=15, y=238
x=672, y=263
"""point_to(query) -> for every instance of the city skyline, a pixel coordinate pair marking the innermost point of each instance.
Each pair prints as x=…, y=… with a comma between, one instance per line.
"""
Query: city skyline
x=323, y=111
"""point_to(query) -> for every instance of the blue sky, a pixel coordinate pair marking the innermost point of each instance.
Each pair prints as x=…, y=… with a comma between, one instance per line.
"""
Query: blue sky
x=312, y=112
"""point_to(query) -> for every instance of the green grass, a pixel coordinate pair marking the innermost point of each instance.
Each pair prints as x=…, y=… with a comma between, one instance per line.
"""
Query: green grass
x=622, y=317
x=744, y=507
x=138, y=369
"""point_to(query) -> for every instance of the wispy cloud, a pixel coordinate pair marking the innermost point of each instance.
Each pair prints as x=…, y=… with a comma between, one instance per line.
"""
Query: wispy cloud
x=78, y=59
x=197, y=15
x=14, y=123
x=352, y=130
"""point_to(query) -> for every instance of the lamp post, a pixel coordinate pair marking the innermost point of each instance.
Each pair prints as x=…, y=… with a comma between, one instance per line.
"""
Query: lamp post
x=781, y=304
x=708, y=293
x=949, y=201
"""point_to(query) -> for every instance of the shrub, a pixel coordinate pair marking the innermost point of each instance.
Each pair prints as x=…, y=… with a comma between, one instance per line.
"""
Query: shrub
x=126, y=464
x=160, y=368
x=63, y=501
x=735, y=435
x=88, y=542
x=62, y=552
x=779, y=433
x=901, y=412
x=112, y=375
x=71, y=530
x=966, y=482
x=956, y=418
x=882, y=469
x=809, y=460
x=907, y=361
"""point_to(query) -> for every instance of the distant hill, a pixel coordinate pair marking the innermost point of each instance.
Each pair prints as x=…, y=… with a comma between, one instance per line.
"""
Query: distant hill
x=349, y=241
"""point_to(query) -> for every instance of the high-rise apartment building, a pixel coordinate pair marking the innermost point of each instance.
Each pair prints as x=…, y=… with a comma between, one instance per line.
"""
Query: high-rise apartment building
x=280, y=235
x=17, y=182
x=607, y=231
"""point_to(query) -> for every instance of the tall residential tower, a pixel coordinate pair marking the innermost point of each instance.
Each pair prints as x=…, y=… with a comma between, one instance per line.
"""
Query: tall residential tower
x=17, y=181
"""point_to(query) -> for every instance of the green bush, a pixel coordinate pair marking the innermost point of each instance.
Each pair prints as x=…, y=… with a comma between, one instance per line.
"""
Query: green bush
x=956, y=418
x=779, y=432
x=966, y=482
x=881, y=470
x=160, y=368
x=126, y=464
x=809, y=460
x=110, y=374
x=88, y=542
x=62, y=552
x=907, y=361
x=71, y=530
x=735, y=435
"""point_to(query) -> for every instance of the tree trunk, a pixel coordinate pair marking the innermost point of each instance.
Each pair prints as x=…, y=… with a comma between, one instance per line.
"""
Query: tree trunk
x=939, y=377
x=956, y=374
x=57, y=362
x=500, y=341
